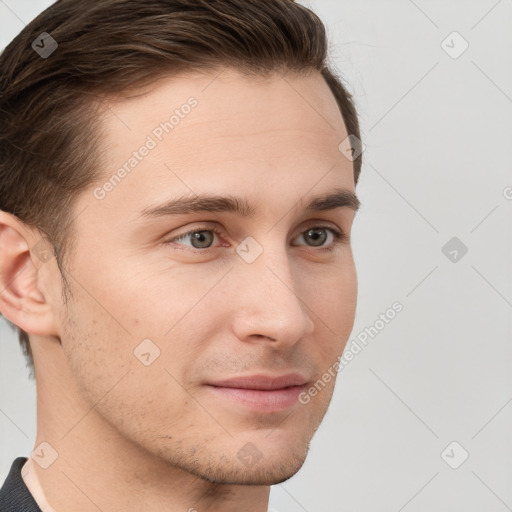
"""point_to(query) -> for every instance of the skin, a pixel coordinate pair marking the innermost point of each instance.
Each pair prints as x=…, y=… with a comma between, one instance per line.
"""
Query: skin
x=135, y=437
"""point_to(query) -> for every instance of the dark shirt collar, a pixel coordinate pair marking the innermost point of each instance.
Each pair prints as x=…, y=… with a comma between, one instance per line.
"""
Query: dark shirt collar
x=14, y=494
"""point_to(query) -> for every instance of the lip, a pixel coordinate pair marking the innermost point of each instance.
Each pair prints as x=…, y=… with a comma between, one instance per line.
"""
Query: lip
x=261, y=393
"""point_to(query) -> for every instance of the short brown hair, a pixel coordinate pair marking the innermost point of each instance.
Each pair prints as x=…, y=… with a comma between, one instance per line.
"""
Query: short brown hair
x=49, y=141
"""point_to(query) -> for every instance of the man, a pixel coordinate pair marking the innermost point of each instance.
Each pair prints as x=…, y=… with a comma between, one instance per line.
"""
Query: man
x=177, y=194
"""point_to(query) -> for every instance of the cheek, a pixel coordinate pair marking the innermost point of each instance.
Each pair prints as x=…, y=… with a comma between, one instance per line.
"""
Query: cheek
x=123, y=389
x=93, y=346
x=346, y=303
x=157, y=300
x=337, y=313
x=125, y=318
x=333, y=301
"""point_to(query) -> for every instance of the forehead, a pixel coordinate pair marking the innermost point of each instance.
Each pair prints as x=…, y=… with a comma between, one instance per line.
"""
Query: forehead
x=226, y=131
x=229, y=109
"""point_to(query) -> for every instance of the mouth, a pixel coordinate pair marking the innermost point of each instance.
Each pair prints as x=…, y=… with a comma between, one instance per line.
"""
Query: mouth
x=261, y=393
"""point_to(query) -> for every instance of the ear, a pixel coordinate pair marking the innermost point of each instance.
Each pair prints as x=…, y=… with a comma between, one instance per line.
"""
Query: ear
x=23, y=256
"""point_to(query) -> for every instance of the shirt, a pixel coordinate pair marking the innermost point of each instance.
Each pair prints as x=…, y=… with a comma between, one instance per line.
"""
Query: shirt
x=14, y=494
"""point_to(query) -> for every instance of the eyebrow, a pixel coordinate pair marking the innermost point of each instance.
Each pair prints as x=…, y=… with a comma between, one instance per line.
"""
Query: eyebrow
x=339, y=198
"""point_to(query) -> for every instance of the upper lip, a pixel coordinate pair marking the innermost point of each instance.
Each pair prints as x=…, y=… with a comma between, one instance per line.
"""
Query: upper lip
x=263, y=382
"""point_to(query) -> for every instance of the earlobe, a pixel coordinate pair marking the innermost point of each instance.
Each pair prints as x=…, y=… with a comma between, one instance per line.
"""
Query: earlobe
x=22, y=301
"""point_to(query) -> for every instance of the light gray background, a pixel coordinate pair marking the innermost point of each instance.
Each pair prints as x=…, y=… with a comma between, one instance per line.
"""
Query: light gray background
x=438, y=136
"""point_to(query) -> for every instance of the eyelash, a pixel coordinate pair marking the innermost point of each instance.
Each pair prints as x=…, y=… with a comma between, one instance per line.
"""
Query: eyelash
x=339, y=237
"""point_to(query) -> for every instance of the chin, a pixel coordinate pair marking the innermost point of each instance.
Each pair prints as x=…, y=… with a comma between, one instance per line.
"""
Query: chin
x=262, y=472
x=257, y=476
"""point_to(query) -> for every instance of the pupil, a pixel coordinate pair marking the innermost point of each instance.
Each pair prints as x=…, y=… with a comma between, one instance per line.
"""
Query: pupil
x=199, y=236
x=315, y=237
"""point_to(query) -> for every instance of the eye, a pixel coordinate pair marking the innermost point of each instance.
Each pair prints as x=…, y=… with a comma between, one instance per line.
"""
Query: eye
x=315, y=237
x=200, y=238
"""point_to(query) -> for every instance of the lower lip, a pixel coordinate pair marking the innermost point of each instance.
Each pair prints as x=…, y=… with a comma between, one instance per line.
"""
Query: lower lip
x=260, y=400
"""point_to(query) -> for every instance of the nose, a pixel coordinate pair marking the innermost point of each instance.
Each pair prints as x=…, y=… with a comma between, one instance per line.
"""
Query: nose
x=268, y=302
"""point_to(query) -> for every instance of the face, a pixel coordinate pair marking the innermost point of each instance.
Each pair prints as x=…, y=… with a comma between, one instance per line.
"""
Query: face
x=207, y=324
